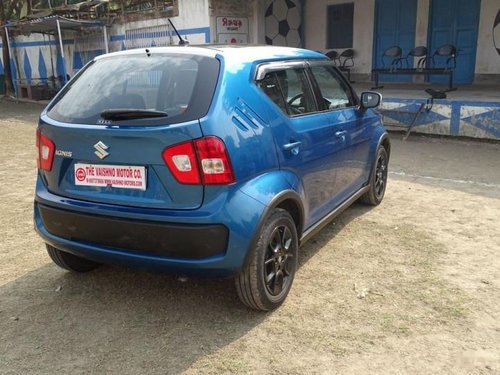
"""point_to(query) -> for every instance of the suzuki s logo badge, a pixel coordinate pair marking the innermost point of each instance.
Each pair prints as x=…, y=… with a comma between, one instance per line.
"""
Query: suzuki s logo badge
x=100, y=150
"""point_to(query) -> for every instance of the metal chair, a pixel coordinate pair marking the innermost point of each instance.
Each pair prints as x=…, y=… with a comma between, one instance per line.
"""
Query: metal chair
x=419, y=51
x=334, y=56
x=393, y=53
x=446, y=50
x=346, y=60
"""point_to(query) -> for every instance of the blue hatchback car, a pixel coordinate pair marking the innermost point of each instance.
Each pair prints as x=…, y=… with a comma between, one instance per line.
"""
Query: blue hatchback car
x=208, y=161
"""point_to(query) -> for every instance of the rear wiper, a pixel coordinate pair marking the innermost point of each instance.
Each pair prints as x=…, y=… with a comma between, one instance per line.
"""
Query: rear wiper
x=130, y=114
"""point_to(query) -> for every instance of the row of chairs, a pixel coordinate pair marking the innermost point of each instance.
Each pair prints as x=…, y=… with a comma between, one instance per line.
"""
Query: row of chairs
x=393, y=62
x=395, y=55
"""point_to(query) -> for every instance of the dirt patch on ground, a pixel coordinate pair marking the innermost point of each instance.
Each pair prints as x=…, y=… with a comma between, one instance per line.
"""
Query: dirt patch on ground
x=410, y=286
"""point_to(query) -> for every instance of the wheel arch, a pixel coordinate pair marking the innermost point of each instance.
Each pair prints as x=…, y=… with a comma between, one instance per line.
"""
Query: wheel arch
x=386, y=142
x=288, y=200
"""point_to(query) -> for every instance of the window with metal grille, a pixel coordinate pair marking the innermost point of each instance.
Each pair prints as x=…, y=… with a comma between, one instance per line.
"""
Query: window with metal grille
x=151, y=36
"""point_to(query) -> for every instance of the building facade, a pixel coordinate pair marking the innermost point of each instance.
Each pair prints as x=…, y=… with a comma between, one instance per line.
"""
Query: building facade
x=470, y=25
x=367, y=26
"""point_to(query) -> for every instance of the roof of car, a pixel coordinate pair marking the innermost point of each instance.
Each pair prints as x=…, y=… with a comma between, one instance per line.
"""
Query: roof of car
x=240, y=53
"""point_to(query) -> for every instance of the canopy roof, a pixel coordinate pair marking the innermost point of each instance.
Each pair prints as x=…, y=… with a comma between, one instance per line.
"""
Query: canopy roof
x=48, y=25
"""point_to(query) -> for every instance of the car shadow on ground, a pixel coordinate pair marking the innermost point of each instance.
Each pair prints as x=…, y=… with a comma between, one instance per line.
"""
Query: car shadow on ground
x=118, y=319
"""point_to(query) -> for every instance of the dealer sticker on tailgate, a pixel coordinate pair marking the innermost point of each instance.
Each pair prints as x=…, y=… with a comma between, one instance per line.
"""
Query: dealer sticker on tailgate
x=119, y=176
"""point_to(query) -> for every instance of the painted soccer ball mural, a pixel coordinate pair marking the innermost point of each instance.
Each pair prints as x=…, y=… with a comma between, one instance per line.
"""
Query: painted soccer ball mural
x=496, y=32
x=282, y=20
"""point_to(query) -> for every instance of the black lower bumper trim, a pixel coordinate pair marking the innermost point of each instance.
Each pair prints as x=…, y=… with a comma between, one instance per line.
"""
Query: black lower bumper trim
x=164, y=239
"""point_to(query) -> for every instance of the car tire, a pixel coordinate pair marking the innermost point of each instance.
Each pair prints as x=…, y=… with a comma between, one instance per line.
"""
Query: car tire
x=268, y=274
x=378, y=179
x=69, y=261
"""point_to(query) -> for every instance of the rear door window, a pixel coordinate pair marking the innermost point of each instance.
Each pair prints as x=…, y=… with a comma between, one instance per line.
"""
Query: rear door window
x=290, y=90
x=182, y=86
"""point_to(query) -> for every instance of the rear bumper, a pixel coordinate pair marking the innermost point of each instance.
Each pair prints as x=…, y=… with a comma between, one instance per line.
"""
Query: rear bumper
x=160, y=239
x=209, y=242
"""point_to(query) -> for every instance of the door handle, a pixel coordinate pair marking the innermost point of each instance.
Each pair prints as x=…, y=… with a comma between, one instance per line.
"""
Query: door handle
x=341, y=134
x=293, y=147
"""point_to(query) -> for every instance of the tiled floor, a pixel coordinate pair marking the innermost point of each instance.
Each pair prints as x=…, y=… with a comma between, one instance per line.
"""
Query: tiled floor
x=482, y=93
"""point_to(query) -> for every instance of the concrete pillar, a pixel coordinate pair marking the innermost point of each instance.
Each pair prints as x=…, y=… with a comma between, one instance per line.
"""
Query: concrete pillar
x=423, y=8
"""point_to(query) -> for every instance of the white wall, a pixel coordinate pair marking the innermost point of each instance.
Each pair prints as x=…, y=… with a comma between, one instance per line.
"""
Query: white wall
x=487, y=58
x=364, y=15
x=423, y=9
x=259, y=34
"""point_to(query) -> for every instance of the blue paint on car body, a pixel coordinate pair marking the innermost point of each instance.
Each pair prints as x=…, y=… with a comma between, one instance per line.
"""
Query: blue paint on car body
x=219, y=147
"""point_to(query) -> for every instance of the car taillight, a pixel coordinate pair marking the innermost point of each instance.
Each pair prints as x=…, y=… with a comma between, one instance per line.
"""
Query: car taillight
x=181, y=160
x=214, y=161
x=203, y=160
x=45, y=151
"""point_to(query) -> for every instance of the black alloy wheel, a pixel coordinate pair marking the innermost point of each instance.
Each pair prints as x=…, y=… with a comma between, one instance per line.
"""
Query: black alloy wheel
x=381, y=175
x=278, y=260
x=267, y=276
x=378, y=179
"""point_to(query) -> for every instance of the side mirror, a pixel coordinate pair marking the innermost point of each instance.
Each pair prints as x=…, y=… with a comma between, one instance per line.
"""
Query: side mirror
x=370, y=99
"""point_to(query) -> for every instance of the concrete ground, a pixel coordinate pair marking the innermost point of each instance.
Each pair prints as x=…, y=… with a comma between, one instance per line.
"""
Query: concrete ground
x=408, y=287
x=464, y=165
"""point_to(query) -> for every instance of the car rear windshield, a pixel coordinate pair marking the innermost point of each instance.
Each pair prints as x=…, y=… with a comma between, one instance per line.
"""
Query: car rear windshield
x=139, y=90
